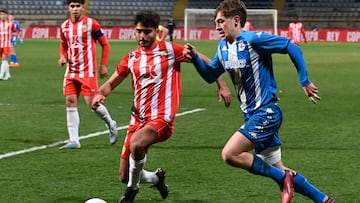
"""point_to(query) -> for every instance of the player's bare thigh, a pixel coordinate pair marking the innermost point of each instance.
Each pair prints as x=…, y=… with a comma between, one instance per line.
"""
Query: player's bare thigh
x=236, y=151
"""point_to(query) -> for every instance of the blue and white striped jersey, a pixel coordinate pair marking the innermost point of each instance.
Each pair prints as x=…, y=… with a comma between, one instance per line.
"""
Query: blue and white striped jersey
x=248, y=61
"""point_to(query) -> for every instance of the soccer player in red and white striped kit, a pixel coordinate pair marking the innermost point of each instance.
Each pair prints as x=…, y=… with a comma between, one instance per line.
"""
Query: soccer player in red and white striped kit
x=154, y=68
x=7, y=28
x=296, y=31
x=78, y=37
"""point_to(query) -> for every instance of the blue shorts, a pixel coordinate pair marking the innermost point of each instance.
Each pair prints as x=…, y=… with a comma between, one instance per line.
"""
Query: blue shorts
x=262, y=128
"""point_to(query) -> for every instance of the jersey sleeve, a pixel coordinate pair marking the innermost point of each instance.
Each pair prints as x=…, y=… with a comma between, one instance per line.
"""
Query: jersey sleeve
x=209, y=72
x=122, y=68
x=98, y=35
x=63, y=44
x=178, y=51
x=268, y=42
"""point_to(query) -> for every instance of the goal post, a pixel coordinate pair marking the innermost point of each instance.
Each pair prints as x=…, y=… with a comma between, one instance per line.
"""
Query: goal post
x=262, y=19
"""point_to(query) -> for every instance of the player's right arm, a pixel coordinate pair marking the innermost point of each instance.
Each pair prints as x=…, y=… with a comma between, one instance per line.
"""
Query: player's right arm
x=223, y=90
x=120, y=73
x=106, y=89
x=63, y=49
x=209, y=72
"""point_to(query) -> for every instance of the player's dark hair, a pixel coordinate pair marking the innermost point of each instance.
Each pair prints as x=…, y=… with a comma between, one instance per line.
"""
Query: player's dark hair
x=75, y=1
x=231, y=8
x=147, y=18
x=4, y=10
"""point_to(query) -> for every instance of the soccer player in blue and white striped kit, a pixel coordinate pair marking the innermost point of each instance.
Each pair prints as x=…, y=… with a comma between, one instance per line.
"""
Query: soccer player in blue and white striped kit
x=246, y=57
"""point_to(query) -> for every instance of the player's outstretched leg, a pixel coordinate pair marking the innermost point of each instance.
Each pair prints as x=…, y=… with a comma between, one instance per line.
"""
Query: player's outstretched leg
x=113, y=132
x=304, y=187
x=288, y=187
x=160, y=185
x=104, y=114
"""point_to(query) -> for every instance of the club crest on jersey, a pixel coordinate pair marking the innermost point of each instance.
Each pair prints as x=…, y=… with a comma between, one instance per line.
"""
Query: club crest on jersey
x=84, y=28
x=164, y=53
x=241, y=45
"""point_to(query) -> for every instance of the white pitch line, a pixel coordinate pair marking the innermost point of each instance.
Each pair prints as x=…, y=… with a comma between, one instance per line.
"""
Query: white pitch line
x=14, y=153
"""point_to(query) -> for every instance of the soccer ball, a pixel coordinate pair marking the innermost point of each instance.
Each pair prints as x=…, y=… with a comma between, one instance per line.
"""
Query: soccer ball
x=95, y=200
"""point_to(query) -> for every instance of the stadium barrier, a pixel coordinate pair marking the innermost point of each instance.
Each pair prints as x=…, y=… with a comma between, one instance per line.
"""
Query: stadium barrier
x=127, y=33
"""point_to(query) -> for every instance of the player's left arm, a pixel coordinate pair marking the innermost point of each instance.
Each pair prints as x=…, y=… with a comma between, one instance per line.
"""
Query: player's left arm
x=303, y=33
x=105, y=48
x=223, y=91
x=104, y=56
x=310, y=89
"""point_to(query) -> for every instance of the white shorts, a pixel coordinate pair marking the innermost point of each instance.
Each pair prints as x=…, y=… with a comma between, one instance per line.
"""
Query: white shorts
x=271, y=155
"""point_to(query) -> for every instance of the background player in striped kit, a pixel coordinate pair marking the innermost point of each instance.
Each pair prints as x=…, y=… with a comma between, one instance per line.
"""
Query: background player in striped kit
x=7, y=29
x=14, y=38
x=78, y=39
x=296, y=31
x=247, y=57
x=154, y=67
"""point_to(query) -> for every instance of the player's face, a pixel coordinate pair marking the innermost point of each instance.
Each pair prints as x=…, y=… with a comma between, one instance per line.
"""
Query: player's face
x=3, y=16
x=76, y=10
x=226, y=26
x=11, y=17
x=145, y=36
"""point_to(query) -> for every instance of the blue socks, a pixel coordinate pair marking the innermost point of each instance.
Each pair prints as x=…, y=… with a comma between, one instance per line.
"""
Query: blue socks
x=302, y=186
x=260, y=167
x=13, y=58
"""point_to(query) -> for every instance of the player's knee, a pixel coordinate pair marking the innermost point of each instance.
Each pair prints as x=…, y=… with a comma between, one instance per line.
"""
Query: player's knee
x=227, y=156
x=236, y=160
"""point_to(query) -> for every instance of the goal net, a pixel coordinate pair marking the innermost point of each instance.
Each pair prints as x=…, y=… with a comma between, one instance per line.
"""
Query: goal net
x=203, y=19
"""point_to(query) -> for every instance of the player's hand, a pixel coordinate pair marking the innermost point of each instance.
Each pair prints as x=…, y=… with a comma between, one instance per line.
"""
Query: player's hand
x=62, y=61
x=103, y=71
x=189, y=51
x=95, y=103
x=224, y=94
x=312, y=92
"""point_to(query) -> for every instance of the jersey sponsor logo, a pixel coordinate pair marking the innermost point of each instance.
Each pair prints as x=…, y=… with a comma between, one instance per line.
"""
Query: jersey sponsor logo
x=76, y=42
x=241, y=63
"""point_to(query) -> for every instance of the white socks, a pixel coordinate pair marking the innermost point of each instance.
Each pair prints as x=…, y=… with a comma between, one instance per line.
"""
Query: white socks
x=135, y=171
x=103, y=113
x=148, y=177
x=4, y=67
x=73, y=122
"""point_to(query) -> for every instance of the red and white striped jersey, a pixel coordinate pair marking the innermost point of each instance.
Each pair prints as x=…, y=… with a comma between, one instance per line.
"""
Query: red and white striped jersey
x=6, y=29
x=248, y=26
x=296, y=30
x=78, y=43
x=155, y=79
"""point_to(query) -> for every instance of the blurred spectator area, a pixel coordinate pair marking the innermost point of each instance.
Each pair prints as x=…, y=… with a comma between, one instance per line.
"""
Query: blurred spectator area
x=324, y=13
